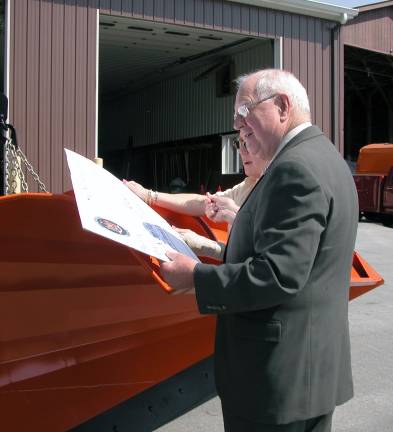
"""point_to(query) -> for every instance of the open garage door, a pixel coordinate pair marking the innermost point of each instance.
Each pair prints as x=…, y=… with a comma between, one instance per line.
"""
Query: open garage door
x=166, y=95
x=368, y=99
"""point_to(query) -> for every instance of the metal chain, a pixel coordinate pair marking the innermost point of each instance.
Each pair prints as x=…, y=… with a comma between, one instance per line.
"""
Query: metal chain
x=10, y=170
x=13, y=169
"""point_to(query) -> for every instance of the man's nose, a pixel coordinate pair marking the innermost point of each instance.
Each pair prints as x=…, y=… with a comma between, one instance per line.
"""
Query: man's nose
x=238, y=122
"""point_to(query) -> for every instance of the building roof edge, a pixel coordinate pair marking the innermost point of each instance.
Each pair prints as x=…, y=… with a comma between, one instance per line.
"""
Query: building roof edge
x=307, y=7
x=372, y=6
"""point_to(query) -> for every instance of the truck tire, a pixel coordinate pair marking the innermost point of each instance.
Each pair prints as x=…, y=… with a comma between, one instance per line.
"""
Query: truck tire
x=387, y=220
x=372, y=217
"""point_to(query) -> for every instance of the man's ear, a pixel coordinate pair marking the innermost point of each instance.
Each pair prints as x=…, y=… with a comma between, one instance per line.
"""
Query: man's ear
x=284, y=106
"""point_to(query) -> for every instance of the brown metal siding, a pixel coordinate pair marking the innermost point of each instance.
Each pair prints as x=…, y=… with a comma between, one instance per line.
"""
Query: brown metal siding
x=340, y=74
x=69, y=83
x=371, y=30
x=53, y=76
x=53, y=81
x=18, y=61
x=57, y=130
x=44, y=89
x=30, y=137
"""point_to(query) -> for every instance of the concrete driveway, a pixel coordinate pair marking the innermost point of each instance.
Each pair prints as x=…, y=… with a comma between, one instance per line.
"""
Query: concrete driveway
x=371, y=323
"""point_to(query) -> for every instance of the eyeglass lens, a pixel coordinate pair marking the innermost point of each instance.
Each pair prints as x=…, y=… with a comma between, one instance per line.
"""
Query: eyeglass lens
x=244, y=110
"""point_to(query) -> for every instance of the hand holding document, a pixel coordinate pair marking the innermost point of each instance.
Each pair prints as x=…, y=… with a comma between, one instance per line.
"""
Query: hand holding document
x=108, y=208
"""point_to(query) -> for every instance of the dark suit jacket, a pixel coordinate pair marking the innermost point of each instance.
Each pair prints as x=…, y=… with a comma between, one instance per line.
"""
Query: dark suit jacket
x=282, y=343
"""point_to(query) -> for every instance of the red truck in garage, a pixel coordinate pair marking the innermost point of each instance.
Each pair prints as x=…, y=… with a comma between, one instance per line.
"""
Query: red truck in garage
x=374, y=182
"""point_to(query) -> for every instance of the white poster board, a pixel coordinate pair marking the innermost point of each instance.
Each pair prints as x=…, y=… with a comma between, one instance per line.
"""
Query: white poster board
x=110, y=209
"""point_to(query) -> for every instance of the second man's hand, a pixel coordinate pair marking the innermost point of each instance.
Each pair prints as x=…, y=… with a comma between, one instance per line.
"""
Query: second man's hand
x=179, y=272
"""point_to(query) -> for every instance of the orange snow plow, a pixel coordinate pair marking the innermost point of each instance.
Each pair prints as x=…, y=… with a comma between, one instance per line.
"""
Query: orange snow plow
x=90, y=338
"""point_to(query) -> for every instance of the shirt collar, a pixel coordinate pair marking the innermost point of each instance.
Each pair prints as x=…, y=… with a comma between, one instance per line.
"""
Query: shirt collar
x=288, y=137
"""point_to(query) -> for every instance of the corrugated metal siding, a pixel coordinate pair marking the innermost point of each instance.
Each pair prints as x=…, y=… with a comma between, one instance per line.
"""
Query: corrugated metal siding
x=371, y=30
x=340, y=101
x=53, y=81
x=180, y=107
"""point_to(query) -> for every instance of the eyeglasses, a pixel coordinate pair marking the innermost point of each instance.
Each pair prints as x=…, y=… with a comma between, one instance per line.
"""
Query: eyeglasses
x=244, y=110
x=239, y=144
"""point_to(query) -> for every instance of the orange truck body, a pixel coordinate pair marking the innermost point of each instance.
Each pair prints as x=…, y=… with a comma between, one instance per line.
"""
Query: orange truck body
x=374, y=182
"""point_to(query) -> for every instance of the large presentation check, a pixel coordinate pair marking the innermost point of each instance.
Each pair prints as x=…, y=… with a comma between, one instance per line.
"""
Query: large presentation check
x=109, y=208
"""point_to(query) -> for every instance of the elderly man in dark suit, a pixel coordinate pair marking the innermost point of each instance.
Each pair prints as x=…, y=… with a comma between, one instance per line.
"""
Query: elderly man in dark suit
x=282, y=357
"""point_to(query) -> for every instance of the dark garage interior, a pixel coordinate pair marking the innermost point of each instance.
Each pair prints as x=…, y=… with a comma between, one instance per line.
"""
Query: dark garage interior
x=368, y=107
x=166, y=96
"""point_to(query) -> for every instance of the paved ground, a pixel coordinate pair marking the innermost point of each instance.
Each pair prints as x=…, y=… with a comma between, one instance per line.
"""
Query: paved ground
x=371, y=321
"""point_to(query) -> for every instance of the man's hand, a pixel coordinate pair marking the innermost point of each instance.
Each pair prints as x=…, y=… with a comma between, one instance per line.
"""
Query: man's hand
x=179, y=272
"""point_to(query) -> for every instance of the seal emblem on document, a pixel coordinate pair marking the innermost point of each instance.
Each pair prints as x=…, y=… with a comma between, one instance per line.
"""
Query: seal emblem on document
x=111, y=226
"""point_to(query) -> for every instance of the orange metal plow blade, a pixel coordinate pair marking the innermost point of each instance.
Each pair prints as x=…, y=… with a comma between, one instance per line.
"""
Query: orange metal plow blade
x=86, y=323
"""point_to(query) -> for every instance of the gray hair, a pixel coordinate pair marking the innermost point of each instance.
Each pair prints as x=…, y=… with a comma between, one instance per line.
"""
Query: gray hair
x=271, y=81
